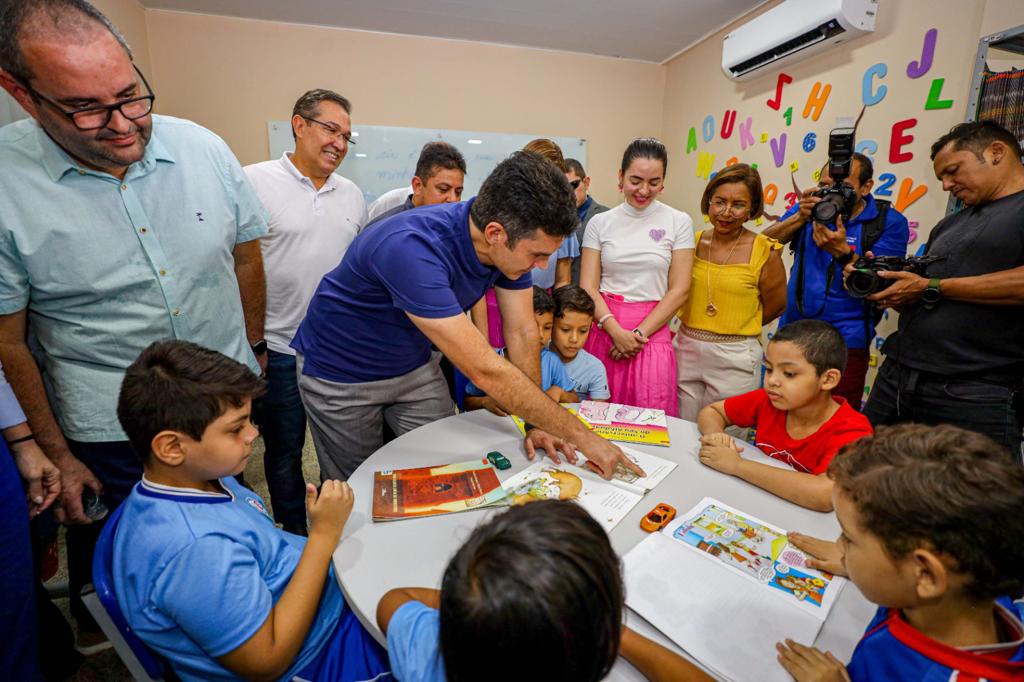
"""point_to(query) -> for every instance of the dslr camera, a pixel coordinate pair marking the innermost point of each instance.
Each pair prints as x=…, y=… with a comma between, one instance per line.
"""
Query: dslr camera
x=839, y=199
x=864, y=279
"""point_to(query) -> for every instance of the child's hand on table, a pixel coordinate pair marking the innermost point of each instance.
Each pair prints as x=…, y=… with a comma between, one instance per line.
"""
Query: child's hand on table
x=720, y=452
x=823, y=555
x=329, y=511
x=807, y=664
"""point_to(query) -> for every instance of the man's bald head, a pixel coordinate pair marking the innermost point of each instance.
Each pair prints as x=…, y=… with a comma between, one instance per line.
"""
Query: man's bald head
x=64, y=21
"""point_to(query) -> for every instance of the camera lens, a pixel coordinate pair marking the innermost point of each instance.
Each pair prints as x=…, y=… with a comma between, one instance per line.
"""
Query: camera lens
x=864, y=282
x=826, y=210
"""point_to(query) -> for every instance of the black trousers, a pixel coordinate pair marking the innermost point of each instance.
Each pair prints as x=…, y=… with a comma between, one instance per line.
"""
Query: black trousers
x=992, y=406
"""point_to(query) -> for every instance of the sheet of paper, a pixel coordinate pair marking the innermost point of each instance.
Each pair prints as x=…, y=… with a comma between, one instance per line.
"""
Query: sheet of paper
x=728, y=623
x=606, y=502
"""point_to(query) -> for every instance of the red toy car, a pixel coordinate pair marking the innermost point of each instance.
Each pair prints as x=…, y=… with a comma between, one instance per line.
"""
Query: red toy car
x=658, y=517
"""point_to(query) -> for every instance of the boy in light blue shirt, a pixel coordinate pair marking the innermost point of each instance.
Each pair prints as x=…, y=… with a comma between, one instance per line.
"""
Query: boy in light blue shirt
x=555, y=380
x=574, y=317
x=200, y=571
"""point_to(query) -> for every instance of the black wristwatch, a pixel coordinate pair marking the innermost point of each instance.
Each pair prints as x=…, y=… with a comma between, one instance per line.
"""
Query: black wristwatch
x=846, y=257
x=260, y=347
x=933, y=294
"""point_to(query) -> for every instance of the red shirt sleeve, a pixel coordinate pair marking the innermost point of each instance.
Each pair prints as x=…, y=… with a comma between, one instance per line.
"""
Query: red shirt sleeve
x=744, y=410
x=850, y=426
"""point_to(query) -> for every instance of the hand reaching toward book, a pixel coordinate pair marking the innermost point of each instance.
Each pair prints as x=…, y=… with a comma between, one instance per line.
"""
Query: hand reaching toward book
x=329, y=511
x=823, y=555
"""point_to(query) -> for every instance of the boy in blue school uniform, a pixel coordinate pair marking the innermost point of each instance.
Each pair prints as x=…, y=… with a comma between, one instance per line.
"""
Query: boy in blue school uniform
x=574, y=318
x=200, y=571
x=932, y=520
x=554, y=379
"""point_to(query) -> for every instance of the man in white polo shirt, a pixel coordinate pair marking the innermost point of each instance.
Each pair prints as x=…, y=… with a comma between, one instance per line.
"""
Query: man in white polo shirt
x=314, y=216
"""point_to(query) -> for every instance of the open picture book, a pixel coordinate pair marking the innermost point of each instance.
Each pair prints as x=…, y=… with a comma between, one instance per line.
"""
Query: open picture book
x=717, y=570
x=623, y=423
x=607, y=501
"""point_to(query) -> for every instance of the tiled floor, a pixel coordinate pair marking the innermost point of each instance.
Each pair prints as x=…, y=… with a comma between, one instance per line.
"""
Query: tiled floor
x=107, y=666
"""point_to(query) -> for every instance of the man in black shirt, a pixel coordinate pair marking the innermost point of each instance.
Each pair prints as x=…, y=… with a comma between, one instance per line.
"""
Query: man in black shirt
x=958, y=356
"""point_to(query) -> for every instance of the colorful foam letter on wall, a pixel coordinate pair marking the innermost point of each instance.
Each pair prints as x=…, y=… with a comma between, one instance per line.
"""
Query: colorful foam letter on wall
x=776, y=102
x=728, y=121
x=704, y=163
x=764, y=137
x=746, y=137
x=916, y=69
x=788, y=116
x=779, y=150
x=868, y=147
x=794, y=167
x=899, y=139
x=771, y=193
x=810, y=141
x=691, y=140
x=708, y=128
x=816, y=100
x=733, y=160
x=791, y=200
x=934, y=96
x=913, y=225
x=868, y=94
x=908, y=194
x=816, y=175
x=884, y=186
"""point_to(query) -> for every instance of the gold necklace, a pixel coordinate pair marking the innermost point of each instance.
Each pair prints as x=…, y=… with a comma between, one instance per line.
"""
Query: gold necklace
x=711, y=310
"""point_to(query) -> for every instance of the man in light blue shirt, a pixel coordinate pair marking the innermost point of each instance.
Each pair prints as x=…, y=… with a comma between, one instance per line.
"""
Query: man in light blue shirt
x=117, y=228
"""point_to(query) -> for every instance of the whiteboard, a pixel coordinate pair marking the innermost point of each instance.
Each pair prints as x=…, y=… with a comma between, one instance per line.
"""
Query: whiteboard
x=384, y=157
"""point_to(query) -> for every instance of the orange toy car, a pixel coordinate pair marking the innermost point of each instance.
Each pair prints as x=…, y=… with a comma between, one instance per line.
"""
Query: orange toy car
x=658, y=517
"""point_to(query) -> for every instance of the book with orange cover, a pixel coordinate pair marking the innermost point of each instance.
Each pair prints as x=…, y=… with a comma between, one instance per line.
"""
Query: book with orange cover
x=429, y=491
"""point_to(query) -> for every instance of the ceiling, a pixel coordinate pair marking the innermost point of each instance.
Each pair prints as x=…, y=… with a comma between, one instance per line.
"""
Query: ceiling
x=645, y=30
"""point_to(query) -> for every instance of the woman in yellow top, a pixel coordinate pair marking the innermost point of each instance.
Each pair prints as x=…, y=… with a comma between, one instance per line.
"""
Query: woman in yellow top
x=738, y=285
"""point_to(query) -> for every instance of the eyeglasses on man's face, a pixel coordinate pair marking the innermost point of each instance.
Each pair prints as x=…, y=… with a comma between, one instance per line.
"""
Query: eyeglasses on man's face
x=94, y=117
x=575, y=184
x=332, y=130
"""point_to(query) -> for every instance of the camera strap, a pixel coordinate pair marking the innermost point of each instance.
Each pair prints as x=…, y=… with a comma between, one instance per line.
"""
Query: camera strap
x=829, y=276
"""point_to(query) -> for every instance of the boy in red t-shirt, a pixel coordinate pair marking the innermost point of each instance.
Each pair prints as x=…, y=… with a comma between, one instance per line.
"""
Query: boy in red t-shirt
x=798, y=420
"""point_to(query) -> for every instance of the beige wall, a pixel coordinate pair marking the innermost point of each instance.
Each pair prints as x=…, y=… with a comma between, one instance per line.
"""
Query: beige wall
x=130, y=18
x=695, y=87
x=234, y=75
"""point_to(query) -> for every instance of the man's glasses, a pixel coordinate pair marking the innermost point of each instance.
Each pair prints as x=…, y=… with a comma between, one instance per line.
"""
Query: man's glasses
x=332, y=130
x=575, y=183
x=96, y=117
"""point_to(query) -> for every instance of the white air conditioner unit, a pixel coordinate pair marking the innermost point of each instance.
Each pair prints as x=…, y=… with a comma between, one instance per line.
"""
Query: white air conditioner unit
x=792, y=31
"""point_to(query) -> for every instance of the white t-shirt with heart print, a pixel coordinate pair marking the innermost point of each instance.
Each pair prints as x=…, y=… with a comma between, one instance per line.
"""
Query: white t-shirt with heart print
x=636, y=248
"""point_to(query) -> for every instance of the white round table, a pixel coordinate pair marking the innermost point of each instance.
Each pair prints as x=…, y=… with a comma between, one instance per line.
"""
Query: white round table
x=373, y=558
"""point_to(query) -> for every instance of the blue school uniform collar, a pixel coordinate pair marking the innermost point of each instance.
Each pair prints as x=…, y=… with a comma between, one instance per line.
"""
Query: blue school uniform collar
x=169, y=492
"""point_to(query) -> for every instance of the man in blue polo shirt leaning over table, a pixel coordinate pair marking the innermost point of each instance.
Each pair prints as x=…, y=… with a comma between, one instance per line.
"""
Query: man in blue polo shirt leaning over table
x=816, y=289
x=364, y=351
x=117, y=228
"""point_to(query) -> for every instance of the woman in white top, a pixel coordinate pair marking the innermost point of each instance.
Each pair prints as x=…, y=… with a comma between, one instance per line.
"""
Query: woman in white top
x=636, y=266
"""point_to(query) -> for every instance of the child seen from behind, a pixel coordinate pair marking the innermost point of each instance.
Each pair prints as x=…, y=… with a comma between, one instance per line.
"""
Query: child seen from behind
x=535, y=593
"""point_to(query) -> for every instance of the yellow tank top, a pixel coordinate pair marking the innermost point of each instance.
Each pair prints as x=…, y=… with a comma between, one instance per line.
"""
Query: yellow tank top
x=734, y=292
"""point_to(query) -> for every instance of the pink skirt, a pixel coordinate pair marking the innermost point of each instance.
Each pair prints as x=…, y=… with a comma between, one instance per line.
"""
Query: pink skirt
x=494, y=328
x=648, y=379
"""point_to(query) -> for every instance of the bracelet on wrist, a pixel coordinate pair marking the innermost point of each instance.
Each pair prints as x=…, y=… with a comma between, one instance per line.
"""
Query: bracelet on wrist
x=23, y=439
x=639, y=332
x=600, y=322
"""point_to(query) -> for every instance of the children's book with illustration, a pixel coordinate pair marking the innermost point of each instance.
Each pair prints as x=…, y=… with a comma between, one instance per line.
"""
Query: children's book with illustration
x=656, y=469
x=728, y=572
x=429, y=491
x=623, y=423
x=607, y=501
